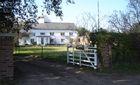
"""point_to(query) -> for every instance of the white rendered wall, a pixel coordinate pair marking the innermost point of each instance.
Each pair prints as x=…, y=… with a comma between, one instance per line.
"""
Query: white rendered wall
x=57, y=36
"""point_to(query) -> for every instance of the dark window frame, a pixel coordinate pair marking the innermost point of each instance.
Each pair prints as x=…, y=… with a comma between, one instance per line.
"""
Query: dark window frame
x=70, y=33
x=34, y=34
x=62, y=33
x=62, y=40
x=52, y=33
x=42, y=33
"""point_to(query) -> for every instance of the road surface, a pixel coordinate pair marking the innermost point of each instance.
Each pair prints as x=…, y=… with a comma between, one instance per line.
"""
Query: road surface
x=41, y=72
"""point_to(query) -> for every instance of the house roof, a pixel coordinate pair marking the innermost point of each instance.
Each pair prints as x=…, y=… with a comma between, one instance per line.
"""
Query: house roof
x=55, y=26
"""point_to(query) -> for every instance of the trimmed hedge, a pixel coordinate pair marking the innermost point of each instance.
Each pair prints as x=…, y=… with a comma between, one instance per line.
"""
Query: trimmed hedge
x=125, y=47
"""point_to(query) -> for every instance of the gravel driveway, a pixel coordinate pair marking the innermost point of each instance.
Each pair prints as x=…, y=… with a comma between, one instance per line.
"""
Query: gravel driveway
x=51, y=73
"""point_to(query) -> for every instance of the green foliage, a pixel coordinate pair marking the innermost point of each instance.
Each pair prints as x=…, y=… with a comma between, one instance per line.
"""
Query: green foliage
x=82, y=31
x=6, y=81
x=122, y=50
x=50, y=52
x=135, y=28
x=13, y=11
x=125, y=47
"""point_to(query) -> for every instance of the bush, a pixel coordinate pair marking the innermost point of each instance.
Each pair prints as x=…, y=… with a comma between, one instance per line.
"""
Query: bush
x=7, y=82
x=125, y=47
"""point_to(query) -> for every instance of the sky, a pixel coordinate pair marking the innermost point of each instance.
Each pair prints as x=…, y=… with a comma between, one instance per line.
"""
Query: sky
x=73, y=12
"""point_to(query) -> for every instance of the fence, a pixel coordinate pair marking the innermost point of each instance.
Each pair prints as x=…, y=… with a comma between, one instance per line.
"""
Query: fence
x=86, y=57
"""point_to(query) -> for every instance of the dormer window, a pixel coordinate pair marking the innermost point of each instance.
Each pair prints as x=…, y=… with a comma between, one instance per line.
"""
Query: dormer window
x=42, y=33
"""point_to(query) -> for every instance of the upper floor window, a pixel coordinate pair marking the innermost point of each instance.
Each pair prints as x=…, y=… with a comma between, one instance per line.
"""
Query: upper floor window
x=42, y=33
x=51, y=33
x=70, y=33
x=62, y=33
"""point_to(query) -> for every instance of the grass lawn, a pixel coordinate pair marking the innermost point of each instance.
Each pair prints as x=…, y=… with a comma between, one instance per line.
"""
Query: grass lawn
x=56, y=53
x=59, y=54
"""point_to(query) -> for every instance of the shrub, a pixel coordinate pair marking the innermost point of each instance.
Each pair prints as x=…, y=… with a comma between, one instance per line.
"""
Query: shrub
x=125, y=47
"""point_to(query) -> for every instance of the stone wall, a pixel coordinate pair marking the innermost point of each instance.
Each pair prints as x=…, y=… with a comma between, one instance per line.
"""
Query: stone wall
x=6, y=56
x=107, y=56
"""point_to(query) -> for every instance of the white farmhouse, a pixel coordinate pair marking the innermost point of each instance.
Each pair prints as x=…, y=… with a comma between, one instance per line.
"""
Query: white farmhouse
x=53, y=33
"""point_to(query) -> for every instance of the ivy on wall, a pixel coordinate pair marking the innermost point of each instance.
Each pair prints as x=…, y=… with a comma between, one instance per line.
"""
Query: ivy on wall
x=125, y=48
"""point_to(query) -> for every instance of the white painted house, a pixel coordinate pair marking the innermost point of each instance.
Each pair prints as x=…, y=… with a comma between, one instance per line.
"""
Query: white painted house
x=50, y=33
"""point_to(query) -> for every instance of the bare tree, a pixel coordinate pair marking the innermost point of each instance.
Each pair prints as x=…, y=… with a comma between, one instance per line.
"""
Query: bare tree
x=121, y=21
x=90, y=21
x=134, y=9
x=87, y=21
x=125, y=22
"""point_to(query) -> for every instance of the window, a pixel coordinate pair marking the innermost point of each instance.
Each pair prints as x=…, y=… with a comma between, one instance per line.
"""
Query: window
x=51, y=41
x=25, y=42
x=62, y=33
x=32, y=41
x=62, y=40
x=42, y=33
x=51, y=33
x=70, y=33
x=33, y=34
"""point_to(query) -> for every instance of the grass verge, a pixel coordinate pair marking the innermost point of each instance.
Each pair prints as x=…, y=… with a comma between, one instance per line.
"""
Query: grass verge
x=55, y=53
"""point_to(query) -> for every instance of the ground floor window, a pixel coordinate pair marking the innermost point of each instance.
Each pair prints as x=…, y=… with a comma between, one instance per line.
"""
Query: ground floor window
x=33, y=42
x=62, y=40
x=51, y=41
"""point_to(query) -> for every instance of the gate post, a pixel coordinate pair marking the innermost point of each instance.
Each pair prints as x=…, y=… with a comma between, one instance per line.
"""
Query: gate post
x=6, y=55
x=80, y=58
x=73, y=54
x=67, y=54
x=95, y=56
x=106, y=55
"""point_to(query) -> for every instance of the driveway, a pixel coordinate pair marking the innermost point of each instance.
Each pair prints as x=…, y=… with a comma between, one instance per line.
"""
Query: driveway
x=40, y=72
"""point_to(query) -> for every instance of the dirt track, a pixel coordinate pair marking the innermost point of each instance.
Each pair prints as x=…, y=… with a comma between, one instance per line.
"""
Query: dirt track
x=52, y=73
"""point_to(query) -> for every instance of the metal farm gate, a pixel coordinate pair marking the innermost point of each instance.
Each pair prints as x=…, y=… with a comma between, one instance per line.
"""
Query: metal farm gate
x=86, y=57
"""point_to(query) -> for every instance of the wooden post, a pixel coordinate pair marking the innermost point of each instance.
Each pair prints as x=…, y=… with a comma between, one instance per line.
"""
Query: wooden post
x=41, y=50
x=80, y=58
x=73, y=55
x=95, y=60
x=67, y=54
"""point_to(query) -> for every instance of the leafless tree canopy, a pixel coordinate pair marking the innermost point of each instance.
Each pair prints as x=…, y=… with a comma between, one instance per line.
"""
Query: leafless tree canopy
x=126, y=21
x=87, y=20
x=134, y=9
